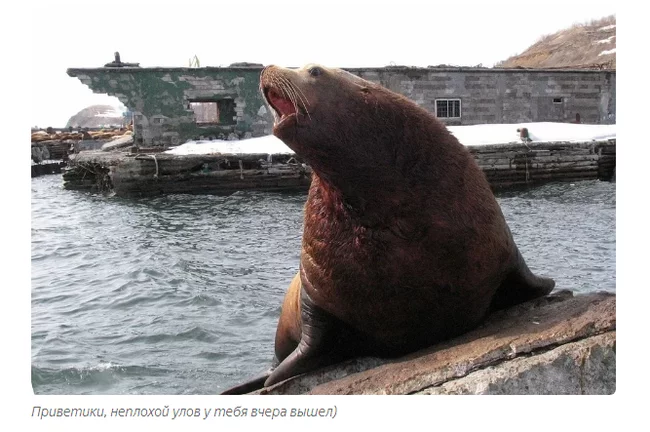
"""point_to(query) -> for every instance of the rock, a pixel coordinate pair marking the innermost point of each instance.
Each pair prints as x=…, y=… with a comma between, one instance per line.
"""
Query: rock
x=559, y=344
x=584, y=367
x=38, y=154
x=232, y=137
x=98, y=116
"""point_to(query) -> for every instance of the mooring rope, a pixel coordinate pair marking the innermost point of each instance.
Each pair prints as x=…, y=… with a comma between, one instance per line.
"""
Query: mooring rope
x=139, y=157
x=527, y=174
x=156, y=161
x=526, y=160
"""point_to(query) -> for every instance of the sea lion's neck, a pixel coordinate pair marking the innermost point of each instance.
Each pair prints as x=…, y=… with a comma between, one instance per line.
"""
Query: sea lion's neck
x=354, y=199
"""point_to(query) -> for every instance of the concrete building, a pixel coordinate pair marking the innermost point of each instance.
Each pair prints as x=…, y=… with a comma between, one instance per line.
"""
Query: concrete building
x=173, y=105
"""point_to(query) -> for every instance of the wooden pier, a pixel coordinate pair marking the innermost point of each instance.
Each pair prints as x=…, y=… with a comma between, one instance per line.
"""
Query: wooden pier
x=507, y=165
x=149, y=174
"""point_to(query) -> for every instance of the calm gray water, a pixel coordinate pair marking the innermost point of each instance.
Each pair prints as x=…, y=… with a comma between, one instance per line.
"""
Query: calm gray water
x=180, y=294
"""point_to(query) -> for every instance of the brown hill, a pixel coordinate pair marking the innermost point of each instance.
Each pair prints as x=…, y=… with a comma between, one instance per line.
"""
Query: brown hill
x=589, y=45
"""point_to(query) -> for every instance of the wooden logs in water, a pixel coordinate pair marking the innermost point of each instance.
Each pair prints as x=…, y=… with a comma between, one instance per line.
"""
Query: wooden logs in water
x=505, y=165
x=508, y=165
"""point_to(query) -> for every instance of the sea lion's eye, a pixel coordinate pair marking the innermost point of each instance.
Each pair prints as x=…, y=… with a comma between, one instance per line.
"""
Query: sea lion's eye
x=315, y=71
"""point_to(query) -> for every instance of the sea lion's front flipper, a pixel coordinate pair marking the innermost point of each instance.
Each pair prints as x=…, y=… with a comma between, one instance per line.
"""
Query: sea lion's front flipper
x=520, y=285
x=325, y=340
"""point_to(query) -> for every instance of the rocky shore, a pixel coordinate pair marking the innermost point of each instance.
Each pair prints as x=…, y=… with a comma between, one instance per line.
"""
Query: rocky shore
x=559, y=344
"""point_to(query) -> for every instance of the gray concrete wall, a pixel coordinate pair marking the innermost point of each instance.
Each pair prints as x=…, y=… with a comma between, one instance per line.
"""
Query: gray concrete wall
x=506, y=95
x=159, y=97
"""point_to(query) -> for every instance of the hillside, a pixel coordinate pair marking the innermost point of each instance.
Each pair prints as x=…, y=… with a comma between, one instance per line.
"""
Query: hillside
x=97, y=116
x=591, y=45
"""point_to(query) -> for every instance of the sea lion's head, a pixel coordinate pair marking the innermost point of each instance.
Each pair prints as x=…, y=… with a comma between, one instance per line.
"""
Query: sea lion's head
x=353, y=132
x=297, y=95
x=321, y=113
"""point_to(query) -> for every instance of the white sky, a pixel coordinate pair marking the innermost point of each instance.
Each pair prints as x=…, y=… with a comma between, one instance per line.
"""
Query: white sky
x=334, y=33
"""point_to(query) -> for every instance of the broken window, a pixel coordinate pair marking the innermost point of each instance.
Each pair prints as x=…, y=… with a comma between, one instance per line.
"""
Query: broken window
x=448, y=108
x=220, y=111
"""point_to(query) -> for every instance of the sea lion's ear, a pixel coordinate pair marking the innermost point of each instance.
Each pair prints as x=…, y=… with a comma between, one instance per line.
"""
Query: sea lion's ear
x=362, y=88
x=367, y=94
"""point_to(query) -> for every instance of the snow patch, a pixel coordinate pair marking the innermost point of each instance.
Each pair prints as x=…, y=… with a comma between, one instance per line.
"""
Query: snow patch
x=609, y=27
x=603, y=41
x=487, y=134
x=474, y=135
x=267, y=144
x=612, y=51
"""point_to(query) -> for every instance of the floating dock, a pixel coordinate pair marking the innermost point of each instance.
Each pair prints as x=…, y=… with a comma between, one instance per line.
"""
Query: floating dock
x=137, y=174
x=528, y=164
x=149, y=174
x=47, y=167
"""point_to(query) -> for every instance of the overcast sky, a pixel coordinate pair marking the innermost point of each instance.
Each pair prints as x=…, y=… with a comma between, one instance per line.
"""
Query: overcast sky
x=334, y=33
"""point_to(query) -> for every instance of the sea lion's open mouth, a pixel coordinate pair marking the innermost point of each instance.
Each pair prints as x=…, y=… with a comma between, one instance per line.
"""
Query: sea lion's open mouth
x=282, y=108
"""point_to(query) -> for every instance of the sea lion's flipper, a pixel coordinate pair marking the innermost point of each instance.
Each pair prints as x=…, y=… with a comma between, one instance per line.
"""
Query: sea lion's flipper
x=325, y=340
x=303, y=359
x=520, y=285
x=250, y=385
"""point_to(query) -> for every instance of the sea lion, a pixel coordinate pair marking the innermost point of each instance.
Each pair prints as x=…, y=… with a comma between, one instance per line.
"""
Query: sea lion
x=404, y=243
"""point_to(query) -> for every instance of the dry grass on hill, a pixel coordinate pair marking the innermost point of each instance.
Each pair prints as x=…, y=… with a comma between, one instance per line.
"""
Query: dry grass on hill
x=580, y=46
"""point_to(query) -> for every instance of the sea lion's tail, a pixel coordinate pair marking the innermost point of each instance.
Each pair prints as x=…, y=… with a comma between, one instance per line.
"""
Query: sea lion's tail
x=249, y=386
x=521, y=285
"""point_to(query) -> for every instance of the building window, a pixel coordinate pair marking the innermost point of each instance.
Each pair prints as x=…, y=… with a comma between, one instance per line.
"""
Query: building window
x=448, y=108
x=208, y=112
x=557, y=100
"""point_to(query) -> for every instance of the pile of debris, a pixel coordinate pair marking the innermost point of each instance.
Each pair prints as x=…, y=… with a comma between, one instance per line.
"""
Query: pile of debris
x=78, y=135
x=51, y=148
x=56, y=145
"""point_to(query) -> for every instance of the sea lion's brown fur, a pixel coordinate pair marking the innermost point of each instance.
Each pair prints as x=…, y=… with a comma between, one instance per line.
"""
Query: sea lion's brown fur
x=287, y=334
x=404, y=244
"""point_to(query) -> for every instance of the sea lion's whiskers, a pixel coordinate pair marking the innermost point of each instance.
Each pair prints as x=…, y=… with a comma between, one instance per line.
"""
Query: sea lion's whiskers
x=297, y=92
x=274, y=83
x=303, y=98
x=290, y=92
x=286, y=90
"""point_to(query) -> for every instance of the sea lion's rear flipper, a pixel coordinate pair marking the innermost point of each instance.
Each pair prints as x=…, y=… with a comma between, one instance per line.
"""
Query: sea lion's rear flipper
x=520, y=285
x=325, y=340
x=250, y=385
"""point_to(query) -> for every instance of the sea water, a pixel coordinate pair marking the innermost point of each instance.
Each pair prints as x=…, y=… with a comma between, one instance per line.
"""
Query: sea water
x=180, y=294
